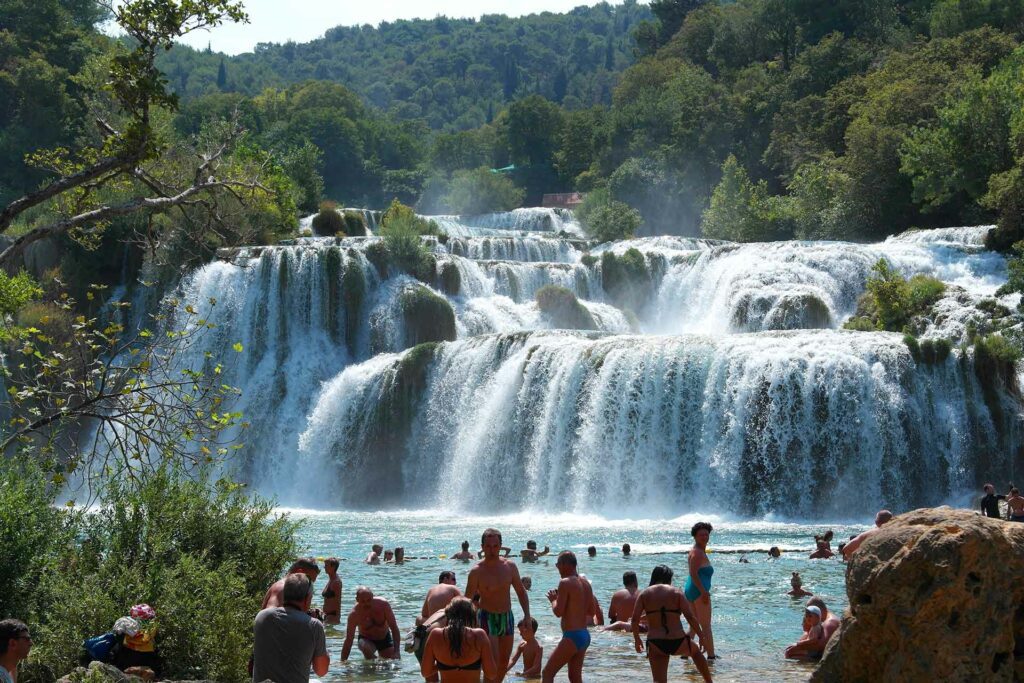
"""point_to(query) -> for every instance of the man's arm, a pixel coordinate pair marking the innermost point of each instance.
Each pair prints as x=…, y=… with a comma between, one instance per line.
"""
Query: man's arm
x=851, y=547
x=559, y=598
x=396, y=635
x=350, y=635
x=524, y=597
x=471, y=587
x=423, y=612
x=321, y=660
x=611, y=611
x=598, y=616
x=547, y=551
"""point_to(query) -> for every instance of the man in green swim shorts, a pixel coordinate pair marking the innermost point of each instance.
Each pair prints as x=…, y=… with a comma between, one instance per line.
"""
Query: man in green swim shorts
x=488, y=586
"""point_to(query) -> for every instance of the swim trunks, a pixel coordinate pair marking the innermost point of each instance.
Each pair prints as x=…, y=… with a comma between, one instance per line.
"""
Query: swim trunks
x=495, y=624
x=580, y=638
x=381, y=643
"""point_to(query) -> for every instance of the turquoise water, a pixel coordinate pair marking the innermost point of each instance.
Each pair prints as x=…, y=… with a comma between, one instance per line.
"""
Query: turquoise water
x=754, y=619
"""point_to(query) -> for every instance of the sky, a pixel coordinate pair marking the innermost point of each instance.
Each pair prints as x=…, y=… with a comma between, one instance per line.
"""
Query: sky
x=277, y=21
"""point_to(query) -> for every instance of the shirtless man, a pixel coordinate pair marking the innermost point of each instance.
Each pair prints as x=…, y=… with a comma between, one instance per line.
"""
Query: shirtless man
x=829, y=622
x=465, y=555
x=573, y=601
x=440, y=595
x=378, y=628
x=530, y=554
x=1015, y=502
x=620, y=610
x=850, y=548
x=488, y=586
x=275, y=594
x=812, y=642
x=374, y=556
x=332, y=592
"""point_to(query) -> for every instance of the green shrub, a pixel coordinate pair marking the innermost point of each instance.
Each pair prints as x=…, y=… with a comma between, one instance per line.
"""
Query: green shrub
x=925, y=290
x=997, y=348
x=626, y=279
x=201, y=552
x=328, y=222
x=451, y=280
x=588, y=260
x=401, y=218
x=480, y=191
x=860, y=323
x=427, y=316
x=607, y=220
x=377, y=254
x=355, y=224
x=891, y=301
x=564, y=310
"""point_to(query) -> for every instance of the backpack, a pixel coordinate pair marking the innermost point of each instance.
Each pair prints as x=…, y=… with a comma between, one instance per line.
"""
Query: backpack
x=99, y=647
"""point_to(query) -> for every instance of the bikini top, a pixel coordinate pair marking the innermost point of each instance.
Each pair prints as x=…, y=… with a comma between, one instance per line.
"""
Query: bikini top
x=475, y=666
x=328, y=593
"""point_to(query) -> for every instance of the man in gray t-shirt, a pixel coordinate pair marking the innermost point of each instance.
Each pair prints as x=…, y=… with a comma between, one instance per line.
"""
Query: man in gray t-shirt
x=287, y=641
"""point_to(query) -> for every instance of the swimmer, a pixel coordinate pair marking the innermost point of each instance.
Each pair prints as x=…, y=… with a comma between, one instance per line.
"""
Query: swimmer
x=774, y=552
x=332, y=592
x=1015, y=503
x=812, y=642
x=376, y=624
x=698, y=584
x=389, y=556
x=527, y=583
x=530, y=554
x=591, y=551
x=620, y=609
x=573, y=602
x=850, y=548
x=823, y=549
x=626, y=550
x=665, y=607
x=464, y=555
x=275, y=594
x=399, y=555
x=440, y=595
x=374, y=556
x=797, y=583
x=529, y=649
x=489, y=584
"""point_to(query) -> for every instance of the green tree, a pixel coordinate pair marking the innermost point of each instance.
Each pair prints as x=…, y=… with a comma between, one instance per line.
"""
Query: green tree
x=533, y=127
x=607, y=220
x=743, y=211
x=482, y=191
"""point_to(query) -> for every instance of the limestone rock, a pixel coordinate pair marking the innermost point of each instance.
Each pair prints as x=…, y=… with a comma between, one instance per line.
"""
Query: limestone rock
x=935, y=595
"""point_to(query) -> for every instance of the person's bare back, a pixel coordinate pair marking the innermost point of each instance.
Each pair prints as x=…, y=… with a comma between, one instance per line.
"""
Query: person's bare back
x=438, y=598
x=579, y=600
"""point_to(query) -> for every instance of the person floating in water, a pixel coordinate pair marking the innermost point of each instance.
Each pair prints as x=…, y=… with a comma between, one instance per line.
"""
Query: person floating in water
x=823, y=544
x=626, y=550
x=664, y=607
x=332, y=592
x=698, y=584
x=529, y=649
x=591, y=551
x=489, y=584
x=464, y=555
x=375, y=551
x=530, y=554
x=573, y=602
x=527, y=583
x=376, y=624
x=797, y=583
x=620, y=609
x=774, y=552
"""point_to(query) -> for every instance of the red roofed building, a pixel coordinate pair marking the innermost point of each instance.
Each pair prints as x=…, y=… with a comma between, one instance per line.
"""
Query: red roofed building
x=562, y=200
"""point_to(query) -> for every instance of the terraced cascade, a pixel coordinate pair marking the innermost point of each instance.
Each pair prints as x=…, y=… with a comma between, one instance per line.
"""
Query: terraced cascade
x=693, y=373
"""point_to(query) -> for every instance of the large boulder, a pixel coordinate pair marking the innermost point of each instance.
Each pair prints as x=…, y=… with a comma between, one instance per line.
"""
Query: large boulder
x=935, y=595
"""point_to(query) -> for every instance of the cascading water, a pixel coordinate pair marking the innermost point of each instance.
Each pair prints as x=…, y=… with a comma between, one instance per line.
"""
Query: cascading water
x=702, y=375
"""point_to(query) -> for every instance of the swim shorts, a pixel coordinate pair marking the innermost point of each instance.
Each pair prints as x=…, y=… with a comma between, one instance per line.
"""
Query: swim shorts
x=381, y=644
x=497, y=624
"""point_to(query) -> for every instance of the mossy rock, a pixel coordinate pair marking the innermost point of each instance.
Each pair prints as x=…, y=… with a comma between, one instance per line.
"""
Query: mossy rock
x=427, y=316
x=588, y=260
x=377, y=254
x=563, y=309
x=450, y=279
x=353, y=292
x=800, y=312
x=626, y=279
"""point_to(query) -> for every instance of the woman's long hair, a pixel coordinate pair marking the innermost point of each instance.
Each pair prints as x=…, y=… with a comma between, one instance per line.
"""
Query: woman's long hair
x=461, y=615
x=662, y=574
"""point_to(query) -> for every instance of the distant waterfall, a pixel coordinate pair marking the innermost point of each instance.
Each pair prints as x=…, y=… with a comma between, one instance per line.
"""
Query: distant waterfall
x=713, y=375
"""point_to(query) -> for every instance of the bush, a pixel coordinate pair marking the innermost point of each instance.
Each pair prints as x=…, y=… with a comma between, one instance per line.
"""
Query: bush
x=626, y=279
x=563, y=309
x=401, y=218
x=891, y=301
x=588, y=260
x=201, y=552
x=743, y=211
x=355, y=224
x=480, y=191
x=450, y=279
x=607, y=220
x=913, y=346
x=329, y=221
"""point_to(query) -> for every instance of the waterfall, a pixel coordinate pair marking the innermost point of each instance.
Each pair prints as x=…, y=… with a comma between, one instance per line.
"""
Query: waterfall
x=701, y=375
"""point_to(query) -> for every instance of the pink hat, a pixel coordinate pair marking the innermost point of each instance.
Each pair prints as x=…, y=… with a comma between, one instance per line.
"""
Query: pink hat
x=143, y=611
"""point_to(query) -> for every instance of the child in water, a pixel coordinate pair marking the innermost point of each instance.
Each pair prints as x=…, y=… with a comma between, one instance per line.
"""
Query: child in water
x=797, y=583
x=530, y=649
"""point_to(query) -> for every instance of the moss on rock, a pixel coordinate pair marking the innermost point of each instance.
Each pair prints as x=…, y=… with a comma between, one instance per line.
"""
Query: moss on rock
x=353, y=292
x=626, y=279
x=427, y=317
x=450, y=279
x=563, y=309
x=355, y=224
x=377, y=254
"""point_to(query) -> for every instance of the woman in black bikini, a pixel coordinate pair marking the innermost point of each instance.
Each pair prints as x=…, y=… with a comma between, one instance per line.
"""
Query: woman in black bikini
x=665, y=606
x=459, y=651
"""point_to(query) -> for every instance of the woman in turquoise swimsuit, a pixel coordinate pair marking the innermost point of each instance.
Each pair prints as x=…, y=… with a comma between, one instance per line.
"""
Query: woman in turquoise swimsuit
x=698, y=584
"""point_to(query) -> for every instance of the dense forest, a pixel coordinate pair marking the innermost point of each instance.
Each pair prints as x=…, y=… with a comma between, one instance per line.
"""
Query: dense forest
x=751, y=120
x=454, y=74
